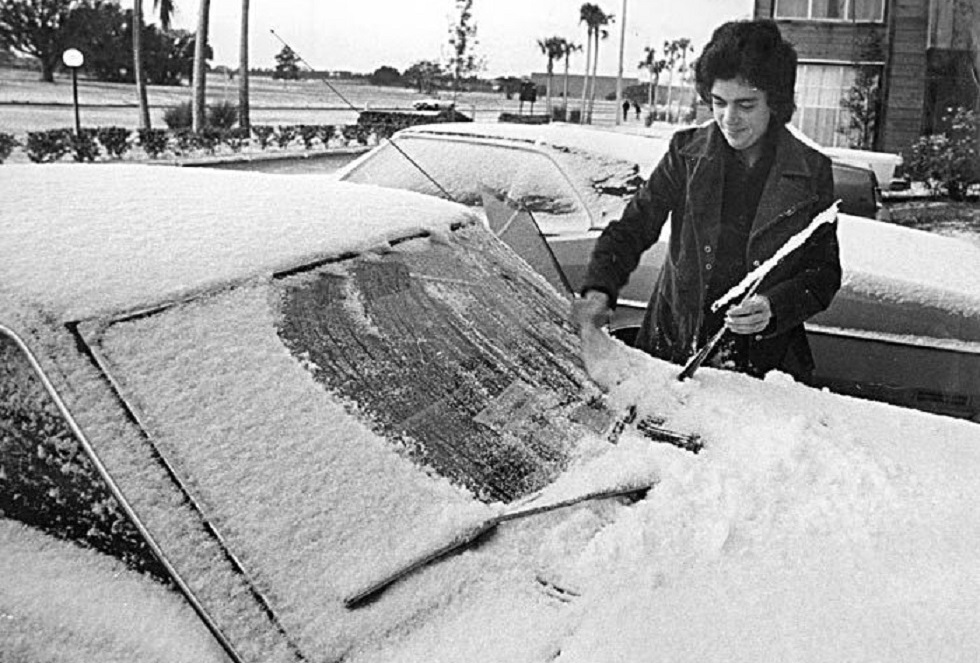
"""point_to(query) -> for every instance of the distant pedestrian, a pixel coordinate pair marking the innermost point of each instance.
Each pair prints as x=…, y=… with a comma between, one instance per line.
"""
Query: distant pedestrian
x=626, y=109
x=636, y=107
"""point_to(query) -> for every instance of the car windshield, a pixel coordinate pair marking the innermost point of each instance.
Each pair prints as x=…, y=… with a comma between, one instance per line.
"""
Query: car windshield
x=326, y=417
x=566, y=190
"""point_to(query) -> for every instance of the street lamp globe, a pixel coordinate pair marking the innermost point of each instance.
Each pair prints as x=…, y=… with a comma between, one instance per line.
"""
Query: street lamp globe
x=73, y=58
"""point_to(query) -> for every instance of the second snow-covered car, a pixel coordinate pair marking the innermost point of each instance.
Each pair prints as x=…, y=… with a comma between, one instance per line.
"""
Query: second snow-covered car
x=905, y=327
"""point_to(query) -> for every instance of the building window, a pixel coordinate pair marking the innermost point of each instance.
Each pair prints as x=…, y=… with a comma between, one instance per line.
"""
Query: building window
x=819, y=90
x=831, y=10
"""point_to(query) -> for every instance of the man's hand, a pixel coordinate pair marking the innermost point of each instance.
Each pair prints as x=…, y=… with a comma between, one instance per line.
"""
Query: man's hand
x=749, y=317
x=590, y=312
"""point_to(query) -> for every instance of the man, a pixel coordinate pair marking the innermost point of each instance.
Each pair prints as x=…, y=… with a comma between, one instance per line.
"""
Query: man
x=734, y=191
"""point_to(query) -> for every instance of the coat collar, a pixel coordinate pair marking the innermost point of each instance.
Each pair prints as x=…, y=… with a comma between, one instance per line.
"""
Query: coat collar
x=709, y=143
x=786, y=188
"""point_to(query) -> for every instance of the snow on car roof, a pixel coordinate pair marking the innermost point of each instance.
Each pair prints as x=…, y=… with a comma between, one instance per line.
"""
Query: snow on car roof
x=80, y=240
x=645, y=150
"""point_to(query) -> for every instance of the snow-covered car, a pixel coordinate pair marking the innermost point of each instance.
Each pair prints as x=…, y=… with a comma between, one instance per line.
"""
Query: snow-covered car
x=272, y=398
x=905, y=327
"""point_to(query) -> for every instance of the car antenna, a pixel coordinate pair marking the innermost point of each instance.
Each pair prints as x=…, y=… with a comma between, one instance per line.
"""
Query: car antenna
x=355, y=108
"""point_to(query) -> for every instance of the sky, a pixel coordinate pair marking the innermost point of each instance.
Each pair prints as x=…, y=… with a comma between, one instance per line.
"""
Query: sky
x=364, y=35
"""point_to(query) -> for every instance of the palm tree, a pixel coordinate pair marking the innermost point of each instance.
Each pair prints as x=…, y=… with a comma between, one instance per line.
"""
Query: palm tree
x=166, y=12
x=670, y=50
x=569, y=49
x=654, y=67
x=198, y=106
x=243, y=104
x=553, y=48
x=591, y=15
x=675, y=51
x=600, y=32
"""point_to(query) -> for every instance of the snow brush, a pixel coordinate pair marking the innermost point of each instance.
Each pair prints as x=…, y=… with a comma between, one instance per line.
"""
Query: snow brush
x=472, y=533
x=750, y=284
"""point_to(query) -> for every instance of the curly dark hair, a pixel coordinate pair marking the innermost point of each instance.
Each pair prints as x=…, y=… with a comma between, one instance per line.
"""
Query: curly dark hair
x=755, y=51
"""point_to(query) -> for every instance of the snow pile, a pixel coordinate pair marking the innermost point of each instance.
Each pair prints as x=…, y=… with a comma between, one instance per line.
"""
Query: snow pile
x=85, y=239
x=812, y=528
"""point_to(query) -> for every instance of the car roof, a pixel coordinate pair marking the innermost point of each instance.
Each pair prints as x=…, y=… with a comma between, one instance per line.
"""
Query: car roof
x=81, y=240
x=645, y=149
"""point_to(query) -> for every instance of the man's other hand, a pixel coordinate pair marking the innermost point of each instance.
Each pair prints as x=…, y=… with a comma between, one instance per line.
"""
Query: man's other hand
x=749, y=317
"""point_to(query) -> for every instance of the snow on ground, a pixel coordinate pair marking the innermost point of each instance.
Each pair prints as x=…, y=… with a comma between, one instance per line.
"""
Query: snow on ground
x=812, y=527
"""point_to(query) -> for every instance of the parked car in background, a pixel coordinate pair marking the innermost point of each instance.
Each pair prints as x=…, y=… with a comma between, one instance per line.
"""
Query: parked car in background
x=905, y=327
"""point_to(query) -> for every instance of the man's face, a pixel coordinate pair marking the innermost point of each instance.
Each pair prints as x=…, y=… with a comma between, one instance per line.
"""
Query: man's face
x=741, y=111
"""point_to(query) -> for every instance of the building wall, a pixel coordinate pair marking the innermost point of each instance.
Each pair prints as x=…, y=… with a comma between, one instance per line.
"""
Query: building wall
x=903, y=38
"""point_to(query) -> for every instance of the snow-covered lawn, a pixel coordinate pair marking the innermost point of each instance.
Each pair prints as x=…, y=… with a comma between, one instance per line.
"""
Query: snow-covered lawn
x=812, y=527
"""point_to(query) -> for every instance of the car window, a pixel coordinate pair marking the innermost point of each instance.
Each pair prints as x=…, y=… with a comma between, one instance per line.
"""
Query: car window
x=325, y=416
x=46, y=479
x=464, y=169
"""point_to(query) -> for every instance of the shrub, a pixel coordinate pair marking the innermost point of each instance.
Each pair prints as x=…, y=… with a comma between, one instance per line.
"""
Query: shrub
x=48, y=146
x=326, y=132
x=223, y=115
x=7, y=145
x=308, y=133
x=179, y=117
x=114, y=140
x=234, y=138
x=184, y=141
x=948, y=161
x=263, y=133
x=285, y=135
x=524, y=119
x=84, y=146
x=153, y=141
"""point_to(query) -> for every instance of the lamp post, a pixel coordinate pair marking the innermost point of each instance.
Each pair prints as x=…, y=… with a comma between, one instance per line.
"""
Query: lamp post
x=74, y=59
x=619, y=74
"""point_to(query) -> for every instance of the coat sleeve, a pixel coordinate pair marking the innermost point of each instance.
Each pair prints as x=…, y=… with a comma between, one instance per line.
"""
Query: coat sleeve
x=813, y=286
x=621, y=244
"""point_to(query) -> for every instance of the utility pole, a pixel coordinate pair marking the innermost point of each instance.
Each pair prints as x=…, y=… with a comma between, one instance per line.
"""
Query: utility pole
x=619, y=75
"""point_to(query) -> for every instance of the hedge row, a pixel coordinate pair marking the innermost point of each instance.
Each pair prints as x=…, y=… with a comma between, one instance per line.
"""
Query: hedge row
x=108, y=143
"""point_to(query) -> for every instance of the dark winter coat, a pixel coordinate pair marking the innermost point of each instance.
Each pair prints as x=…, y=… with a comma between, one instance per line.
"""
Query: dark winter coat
x=686, y=187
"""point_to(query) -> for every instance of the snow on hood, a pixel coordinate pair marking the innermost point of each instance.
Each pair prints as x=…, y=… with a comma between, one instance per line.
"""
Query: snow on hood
x=84, y=239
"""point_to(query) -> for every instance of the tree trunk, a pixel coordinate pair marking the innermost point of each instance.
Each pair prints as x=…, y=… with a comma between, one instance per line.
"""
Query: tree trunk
x=595, y=71
x=551, y=72
x=585, y=81
x=243, y=102
x=48, y=66
x=564, y=92
x=138, y=72
x=199, y=107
